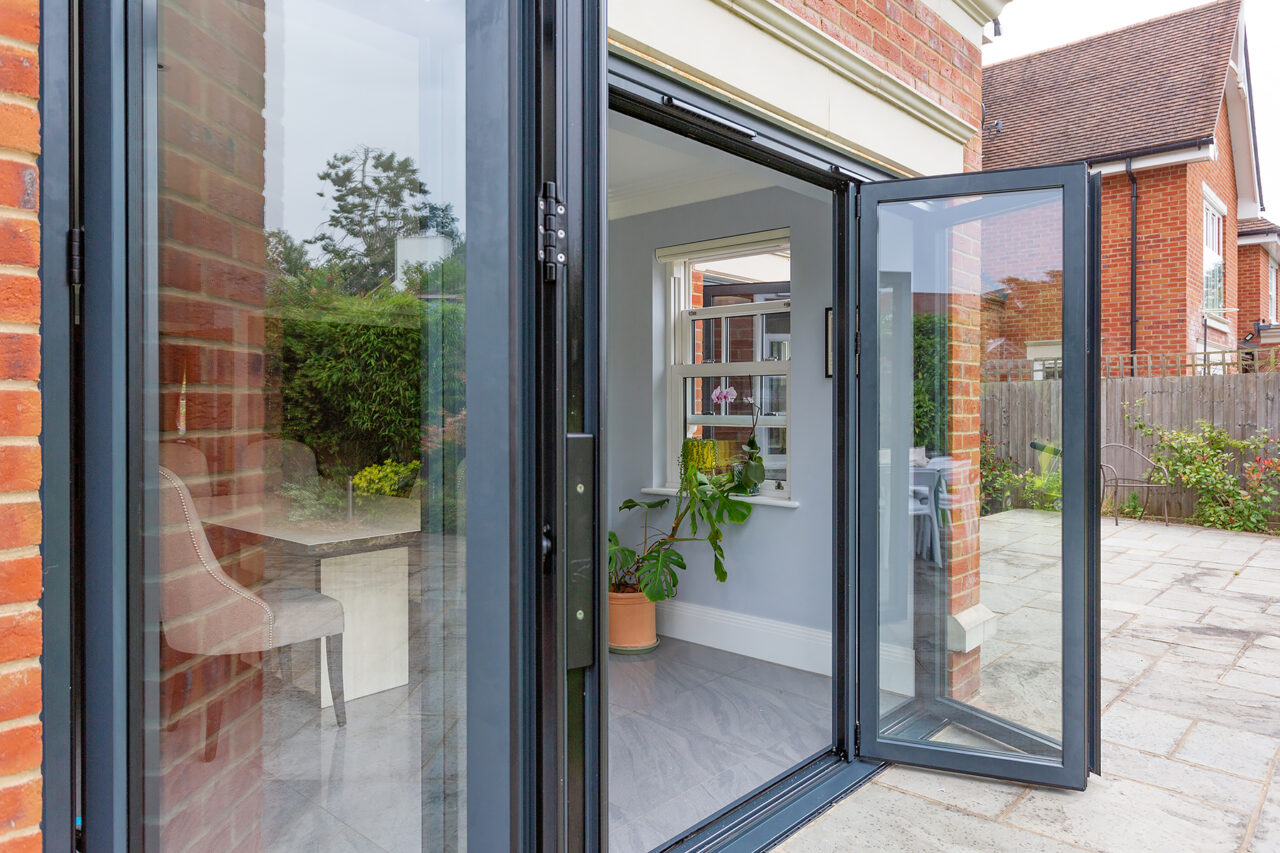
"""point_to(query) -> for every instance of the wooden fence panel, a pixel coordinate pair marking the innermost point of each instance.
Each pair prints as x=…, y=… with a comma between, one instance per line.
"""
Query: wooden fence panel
x=1018, y=412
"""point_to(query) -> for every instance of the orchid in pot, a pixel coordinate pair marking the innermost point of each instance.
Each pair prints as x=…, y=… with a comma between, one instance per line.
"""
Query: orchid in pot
x=705, y=503
x=748, y=466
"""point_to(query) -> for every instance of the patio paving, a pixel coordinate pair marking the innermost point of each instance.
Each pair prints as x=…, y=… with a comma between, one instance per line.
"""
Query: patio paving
x=1190, y=725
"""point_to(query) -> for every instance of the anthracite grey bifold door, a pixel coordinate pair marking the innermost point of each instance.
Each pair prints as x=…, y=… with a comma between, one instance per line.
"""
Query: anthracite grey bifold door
x=977, y=487
x=340, y=424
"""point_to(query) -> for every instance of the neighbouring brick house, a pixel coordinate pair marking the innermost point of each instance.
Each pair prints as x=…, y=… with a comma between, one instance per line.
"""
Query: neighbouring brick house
x=892, y=86
x=1163, y=110
x=1259, y=256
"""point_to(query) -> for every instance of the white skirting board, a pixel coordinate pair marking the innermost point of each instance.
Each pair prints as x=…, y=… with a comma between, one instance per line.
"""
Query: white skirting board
x=753, y=636
x=778, y=642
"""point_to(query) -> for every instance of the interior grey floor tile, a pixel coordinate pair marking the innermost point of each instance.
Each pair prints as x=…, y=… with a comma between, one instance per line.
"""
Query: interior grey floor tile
x=809, y=685
x=645, y=682
x=703, y=727
x=290, y=823
x=751, y=715
x=647, y=756
x=697, y=655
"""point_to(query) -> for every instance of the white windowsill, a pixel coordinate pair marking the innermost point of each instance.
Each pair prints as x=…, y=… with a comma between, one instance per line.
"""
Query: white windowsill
x=1220, y=325
x=762, y=500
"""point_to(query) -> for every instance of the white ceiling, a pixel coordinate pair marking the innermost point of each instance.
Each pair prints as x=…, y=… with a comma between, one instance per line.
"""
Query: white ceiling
x=653, y=169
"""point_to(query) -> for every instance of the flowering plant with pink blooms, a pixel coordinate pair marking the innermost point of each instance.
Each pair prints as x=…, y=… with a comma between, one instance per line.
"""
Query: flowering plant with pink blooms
x=748, y=466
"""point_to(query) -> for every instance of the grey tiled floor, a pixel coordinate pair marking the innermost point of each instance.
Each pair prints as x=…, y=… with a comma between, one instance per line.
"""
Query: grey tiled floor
x=692, y=728
x=1190, y=726
x=392, y=778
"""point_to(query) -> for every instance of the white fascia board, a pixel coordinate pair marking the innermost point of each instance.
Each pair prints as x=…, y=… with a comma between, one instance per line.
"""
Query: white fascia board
x=982, y=11
x=773, y=63
x=1155, y=161
x=968, y=17
x=1240, y=125
x=1269, y=242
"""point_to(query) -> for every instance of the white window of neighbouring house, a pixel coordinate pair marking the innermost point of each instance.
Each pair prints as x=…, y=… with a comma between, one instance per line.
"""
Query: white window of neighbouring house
x=1046, y=359
x=1214, y=268
x=729, y=364
x=1271, y=289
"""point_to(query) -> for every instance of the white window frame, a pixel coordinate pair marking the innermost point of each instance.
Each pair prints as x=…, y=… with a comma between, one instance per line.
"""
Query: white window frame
x=680, y=261
x=1273, y=272
x=1046, y=358
x=1212, y=249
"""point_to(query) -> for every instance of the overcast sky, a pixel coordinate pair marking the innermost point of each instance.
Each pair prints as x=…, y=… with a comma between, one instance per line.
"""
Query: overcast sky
x=1032, y=25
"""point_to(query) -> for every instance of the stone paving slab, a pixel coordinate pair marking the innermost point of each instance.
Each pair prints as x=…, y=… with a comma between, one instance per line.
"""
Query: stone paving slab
x=1191, y=716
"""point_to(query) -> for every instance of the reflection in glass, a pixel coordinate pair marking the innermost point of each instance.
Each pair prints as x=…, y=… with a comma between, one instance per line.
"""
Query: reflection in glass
x=970, y=559
x=306, y=562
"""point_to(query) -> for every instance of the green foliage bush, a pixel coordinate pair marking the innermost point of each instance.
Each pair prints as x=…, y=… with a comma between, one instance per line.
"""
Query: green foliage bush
x=392, y=478
x=1235, y=481
x=929, y=381
x=1005, y=487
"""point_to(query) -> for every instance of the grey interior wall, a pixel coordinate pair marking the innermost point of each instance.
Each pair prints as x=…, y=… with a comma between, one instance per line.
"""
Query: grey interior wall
x=779, y=562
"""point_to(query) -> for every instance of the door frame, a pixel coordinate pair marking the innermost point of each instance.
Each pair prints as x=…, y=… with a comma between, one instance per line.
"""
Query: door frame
x=761, y=819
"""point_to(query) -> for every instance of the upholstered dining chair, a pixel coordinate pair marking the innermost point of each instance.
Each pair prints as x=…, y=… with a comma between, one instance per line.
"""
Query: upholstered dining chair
x=204, y=611
x=282, y=460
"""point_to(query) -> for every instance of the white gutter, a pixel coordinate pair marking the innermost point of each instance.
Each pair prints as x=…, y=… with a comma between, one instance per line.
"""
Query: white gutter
x=1271, y=242
x=1155, y=161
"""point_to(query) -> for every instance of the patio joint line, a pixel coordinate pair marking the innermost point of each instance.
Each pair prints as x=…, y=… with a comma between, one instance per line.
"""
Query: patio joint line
x=1256, y=817
x=1022, y=795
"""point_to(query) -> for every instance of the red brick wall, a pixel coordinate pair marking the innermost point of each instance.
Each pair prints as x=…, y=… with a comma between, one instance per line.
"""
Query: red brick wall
x=1254, y=287
x=1220, y=176
x=20, y=472
x=1162, y=261
x=909, y=41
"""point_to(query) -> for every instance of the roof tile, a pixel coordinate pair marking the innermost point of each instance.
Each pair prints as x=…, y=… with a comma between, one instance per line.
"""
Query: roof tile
x=1158, y=83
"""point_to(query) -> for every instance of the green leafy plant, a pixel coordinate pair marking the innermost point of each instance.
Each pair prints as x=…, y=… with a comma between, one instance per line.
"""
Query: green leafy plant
x=396, y=479
x=706, y=505
x=998, y=473
x=1235, y=481
x=1133, y=508
x=930, y=402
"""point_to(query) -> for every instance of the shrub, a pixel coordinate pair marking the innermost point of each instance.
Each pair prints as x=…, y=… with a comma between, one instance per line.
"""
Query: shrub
x=929, y=381
x=1233, y=479
x=390, y=478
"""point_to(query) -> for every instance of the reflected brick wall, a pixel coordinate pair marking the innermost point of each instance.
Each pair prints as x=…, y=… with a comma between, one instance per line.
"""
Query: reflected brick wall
x=964, y=427
x=205, y=789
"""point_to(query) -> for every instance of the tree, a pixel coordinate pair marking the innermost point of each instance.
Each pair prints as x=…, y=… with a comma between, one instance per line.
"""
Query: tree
x=376, y=198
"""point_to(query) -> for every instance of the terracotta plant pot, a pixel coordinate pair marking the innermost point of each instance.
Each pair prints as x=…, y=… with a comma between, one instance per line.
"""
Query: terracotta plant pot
x=633, y=623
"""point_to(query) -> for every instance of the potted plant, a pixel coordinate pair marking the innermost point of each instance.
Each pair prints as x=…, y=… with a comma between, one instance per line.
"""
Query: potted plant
x=642, y=576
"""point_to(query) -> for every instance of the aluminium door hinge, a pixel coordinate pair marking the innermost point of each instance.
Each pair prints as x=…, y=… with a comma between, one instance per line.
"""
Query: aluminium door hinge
x=857, y=342
x=75, y=268
x=551, y=233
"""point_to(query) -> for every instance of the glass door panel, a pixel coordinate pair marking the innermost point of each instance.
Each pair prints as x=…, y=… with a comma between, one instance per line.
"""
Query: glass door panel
x=305, y=584
x=975, y=479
